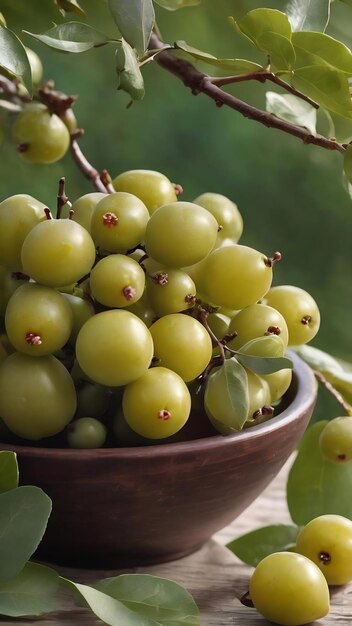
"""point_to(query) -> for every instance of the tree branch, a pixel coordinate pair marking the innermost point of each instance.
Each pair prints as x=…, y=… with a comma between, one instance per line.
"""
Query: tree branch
x=86, y=168
x=199, y=82
x=336, y=394
x=262, y=76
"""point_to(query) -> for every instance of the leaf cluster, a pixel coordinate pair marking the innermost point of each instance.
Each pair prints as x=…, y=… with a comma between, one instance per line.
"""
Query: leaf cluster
x=30, y=589
x=298, y=54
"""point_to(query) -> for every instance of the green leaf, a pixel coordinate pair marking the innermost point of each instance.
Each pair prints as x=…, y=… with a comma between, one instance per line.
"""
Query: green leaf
x=159, y=599
x=237, y=66
x=8, y=471
x=129, y=76
x=109, y=610
x=342, y=127
x=70, y=6
x=326, y=86
x=72, y=37
x=338, y=373
x=252, y=547
x=281, y=51
x=315, y=485
x=308, y=14
x=321, y=49
x=264, y=365
x=270, y=345
x=342, y=381
x=270, y=31
x=31, y=593
x=135, y=21
x=226, y=396
x=318, y=359
x=24, y=513
x=13, y=57
x=259, y=21
x=173, y=5
x=292, y=109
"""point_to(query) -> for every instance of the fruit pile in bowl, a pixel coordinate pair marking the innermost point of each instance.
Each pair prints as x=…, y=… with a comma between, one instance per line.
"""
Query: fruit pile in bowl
x=143, y=366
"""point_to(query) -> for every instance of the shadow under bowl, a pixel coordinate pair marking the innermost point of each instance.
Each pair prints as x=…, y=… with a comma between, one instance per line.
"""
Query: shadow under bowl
x=121, y=507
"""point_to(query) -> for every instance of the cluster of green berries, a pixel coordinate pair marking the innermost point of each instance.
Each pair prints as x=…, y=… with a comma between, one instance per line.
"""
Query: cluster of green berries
x=105, y=303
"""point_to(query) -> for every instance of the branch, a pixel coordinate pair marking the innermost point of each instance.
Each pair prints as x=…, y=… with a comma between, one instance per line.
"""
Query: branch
x=336, y=394
x=86, y=168
x=202, y=83
x=263, y=76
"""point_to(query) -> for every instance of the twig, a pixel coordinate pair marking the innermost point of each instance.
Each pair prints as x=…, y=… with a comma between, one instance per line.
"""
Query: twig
x=9, y=87
x=86, y=168
x=202, y=83
x=336, y=394
x=62, y=199
x=107, y=181
x=263, y=76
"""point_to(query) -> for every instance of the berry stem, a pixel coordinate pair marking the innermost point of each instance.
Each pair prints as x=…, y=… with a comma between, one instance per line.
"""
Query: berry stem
x=107, y=181
x=336, y=394
x=203, y=318
x=48, y=214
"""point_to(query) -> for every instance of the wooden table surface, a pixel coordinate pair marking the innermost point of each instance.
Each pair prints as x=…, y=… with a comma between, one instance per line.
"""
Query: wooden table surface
x=214, y=576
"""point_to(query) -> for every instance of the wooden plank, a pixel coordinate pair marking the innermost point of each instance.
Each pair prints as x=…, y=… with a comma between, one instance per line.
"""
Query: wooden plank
x=214, y=576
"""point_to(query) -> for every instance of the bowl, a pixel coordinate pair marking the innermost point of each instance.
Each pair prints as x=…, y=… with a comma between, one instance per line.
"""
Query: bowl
x=121, y=507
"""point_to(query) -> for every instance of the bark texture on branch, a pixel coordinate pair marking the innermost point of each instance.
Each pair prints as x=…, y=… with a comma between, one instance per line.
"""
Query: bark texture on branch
x=199, y=82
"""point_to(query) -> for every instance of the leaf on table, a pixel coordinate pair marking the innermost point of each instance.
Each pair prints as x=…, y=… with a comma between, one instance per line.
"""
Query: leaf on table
x=308, y=14
x=129, y=76
x=236, y=66
x=292, y=109
x=321, y=49
x=226, y=400
x=107, y=608
x=8, y=471
x=31, y=593
x=13, y=57
x=315, y=485
x=160, y=599
x=252, y=547
x=72, y=37
x=326, y=86
x=174, y=5
x=135, y=21
x=24, y=514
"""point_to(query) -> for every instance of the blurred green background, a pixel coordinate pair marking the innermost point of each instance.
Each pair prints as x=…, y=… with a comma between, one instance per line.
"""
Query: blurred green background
x=290, y=194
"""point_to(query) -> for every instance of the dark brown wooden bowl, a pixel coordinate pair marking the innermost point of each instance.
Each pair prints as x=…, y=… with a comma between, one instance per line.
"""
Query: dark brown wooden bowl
x=118, y=507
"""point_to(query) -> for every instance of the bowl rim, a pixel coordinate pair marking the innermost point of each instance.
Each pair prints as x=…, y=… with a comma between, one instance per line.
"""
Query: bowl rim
x=302, y=402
